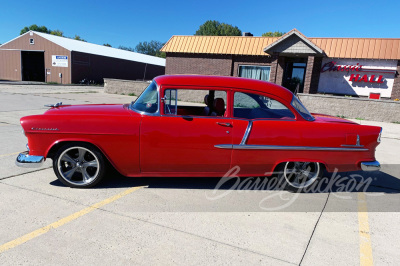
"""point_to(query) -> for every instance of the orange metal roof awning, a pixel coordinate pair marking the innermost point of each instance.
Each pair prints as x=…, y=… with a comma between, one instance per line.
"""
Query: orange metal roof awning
x=367, y=48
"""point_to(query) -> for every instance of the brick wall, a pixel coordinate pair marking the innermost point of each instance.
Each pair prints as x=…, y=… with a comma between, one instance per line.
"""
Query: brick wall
x=203, y=64
x=374, y=110
x=280, y=68
x=274, y=65
x=396, y=84
x=120, y=86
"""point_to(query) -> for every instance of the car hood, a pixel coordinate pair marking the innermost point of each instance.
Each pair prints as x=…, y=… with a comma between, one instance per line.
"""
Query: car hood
x=331, y=119
x=91, y=109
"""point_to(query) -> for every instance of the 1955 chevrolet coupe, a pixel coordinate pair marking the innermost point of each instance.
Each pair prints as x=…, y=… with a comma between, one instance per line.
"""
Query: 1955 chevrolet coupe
x=198, y=126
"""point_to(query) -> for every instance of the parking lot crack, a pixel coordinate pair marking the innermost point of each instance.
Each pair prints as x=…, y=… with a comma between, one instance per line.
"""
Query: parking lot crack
x=315, y=227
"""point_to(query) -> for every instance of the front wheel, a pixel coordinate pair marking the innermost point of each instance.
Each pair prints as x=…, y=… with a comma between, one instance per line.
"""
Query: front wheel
x=79, y=165
x=301, y=174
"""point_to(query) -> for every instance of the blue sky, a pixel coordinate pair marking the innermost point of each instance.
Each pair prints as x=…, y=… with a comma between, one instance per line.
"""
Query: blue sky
x=129, y=22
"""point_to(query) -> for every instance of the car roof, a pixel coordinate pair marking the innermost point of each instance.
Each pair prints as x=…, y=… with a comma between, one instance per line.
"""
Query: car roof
x=227, y=82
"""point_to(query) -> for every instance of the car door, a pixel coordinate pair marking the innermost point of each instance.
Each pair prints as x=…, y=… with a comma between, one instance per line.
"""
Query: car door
x=184, y=143
x=268, y=123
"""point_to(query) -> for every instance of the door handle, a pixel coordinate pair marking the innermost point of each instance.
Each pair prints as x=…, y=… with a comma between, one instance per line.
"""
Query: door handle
x=224, y=124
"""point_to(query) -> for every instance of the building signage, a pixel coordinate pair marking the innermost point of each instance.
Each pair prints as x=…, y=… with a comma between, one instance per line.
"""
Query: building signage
x=332, y=66
x=59, y=61
x=357, y=77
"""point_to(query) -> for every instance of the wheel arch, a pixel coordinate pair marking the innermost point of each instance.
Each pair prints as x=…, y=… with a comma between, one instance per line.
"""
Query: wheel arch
x=52, y=150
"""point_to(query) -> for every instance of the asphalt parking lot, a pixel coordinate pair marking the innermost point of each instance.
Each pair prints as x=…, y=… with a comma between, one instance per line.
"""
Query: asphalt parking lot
x=186, y=221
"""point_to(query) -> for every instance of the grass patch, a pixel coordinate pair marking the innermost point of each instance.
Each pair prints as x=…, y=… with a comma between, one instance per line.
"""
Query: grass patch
x=359, y=118
x=396, y=122
x=51, y=82
x=341, y=116
x=131, y=94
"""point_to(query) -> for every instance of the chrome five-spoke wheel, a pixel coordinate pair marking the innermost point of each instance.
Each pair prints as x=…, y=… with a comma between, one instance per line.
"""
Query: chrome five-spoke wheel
x=79, y=165
x=301, y=174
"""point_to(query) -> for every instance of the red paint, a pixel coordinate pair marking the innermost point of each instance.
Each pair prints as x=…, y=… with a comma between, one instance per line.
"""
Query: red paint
x=364, y=78
x=142, y=145
x=354, y=78
x=380, y=79
x=375, y=96
x=331, y=66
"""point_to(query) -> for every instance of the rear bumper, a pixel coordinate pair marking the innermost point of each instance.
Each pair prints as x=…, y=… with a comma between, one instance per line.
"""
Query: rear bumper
x=29, y=161
x=370, y=166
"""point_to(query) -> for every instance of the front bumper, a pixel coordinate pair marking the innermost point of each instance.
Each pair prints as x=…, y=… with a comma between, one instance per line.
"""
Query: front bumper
x=370, y=166
x=29, y=161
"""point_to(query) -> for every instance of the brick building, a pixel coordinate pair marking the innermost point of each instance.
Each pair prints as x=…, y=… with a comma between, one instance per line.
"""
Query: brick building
x=37, y=56
x=363, y=67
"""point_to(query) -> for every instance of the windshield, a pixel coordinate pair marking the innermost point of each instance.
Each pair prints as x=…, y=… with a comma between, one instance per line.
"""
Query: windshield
x=301, y=109
x=148, y=100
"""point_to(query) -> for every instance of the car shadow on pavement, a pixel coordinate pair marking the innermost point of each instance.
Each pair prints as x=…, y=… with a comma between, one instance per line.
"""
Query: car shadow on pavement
x=373, y=182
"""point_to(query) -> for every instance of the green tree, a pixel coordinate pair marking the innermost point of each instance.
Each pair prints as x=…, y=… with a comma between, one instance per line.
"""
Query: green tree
x=78, y=38
x=273, y=34
x=57, y=33
x=107, y=44
x=34, y=27
x=215, y=28
x=130, y=49
x=150, y=48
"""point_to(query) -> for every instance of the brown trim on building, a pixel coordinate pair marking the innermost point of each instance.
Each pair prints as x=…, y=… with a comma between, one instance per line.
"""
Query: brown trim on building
x=312, y=74
x=396, y=84
x=280, y=69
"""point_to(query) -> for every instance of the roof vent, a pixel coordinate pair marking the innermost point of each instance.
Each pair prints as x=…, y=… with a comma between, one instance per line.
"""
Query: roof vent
x=247, y=34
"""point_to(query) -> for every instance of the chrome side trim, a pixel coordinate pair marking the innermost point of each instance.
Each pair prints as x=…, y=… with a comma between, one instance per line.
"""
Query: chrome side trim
x=246, y=133
x=352, y=146
x=224, y=146
x=29, y=161
x=370, y=166
x=276, y=147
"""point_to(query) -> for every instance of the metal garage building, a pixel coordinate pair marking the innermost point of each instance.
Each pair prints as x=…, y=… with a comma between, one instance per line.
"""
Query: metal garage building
x=36, y=56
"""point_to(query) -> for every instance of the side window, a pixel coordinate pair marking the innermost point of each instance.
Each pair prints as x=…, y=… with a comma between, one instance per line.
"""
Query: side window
x=253, y=106
x=194, y=102
x=170, y=102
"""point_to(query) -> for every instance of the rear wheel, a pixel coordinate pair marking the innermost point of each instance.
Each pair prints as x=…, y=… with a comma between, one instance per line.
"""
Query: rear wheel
x=301, y=174
x=79, y=165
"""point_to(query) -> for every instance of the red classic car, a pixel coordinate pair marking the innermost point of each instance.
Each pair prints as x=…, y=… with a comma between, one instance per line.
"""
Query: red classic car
x=198, y=126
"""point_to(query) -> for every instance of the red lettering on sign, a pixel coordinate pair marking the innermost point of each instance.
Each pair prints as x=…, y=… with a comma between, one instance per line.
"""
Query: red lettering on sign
x=331, y=66
x=354, y=78
x=372, y=79
x=364, y=78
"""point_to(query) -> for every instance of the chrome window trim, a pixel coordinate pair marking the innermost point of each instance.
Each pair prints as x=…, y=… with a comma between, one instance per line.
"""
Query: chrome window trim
x=246, y=133
x=278, y=147
x=157, y=113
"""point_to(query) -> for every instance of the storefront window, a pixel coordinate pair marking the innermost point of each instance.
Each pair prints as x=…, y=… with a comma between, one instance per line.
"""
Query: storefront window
x=255, y=72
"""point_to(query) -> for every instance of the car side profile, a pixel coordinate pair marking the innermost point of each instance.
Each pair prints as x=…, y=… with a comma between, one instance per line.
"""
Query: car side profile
x=198, y=126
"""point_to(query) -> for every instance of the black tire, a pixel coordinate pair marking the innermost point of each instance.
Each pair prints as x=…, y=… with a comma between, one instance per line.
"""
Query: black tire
x=79, y=165
x=301, y=175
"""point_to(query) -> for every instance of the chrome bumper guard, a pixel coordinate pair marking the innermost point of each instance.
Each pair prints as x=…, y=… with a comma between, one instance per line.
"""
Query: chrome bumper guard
x=29, y=161
x=370, y=166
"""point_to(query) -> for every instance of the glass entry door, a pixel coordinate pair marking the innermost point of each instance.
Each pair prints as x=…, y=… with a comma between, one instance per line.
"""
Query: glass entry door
x=295, y=71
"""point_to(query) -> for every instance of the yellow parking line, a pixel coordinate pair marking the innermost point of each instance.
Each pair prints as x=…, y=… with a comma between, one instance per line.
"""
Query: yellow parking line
x=16, y=242
x=365, y=238
x=14, y=153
